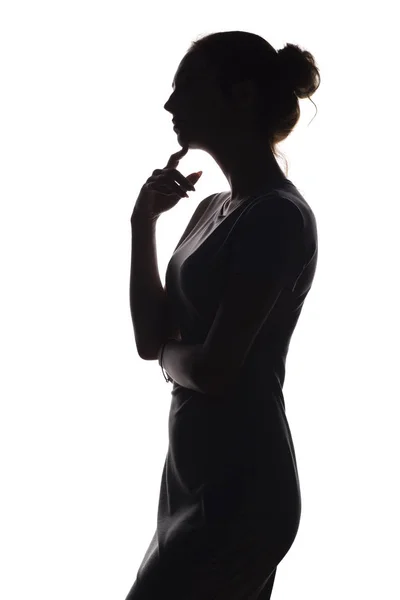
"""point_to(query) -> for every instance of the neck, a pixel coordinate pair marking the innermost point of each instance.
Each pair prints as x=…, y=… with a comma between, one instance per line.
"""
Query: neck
x=249, y=165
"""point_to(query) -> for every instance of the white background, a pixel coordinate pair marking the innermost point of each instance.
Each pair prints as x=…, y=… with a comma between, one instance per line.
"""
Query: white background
x=83, y=423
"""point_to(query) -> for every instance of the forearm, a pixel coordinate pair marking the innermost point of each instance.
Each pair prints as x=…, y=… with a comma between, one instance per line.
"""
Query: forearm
x=179, y=360
x=184, y=364
x=146, y=293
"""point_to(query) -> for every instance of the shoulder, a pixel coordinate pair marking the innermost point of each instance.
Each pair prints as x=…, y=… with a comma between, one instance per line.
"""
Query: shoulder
x=276, y=202
x=274, y=211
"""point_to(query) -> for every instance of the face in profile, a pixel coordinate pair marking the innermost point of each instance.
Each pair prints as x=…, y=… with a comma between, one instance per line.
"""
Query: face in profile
x=223, y=126
x=203, y=116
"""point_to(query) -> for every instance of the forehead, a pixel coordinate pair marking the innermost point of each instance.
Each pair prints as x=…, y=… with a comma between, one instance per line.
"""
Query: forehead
x=192, y=65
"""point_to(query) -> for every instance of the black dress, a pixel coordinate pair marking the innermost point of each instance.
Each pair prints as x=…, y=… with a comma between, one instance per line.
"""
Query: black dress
x=229, y=506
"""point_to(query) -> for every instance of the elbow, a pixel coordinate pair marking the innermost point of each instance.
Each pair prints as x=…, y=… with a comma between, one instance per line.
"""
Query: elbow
x=149, y=354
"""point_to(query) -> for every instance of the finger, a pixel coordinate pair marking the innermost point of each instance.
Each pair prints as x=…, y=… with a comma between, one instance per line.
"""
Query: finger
x=186, y=183
x=175, y=175
x=194, y=177
x=174, y=159
x=170, y=189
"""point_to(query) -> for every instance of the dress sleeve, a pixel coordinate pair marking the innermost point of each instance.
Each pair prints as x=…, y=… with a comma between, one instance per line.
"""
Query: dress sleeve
x=267, y=240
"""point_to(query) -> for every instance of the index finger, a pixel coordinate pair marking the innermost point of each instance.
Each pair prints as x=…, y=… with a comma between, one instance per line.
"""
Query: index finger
x=174, y=159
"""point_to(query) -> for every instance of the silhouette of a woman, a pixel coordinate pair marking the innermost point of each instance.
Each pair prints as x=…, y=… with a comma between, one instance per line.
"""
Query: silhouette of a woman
x=229, y=506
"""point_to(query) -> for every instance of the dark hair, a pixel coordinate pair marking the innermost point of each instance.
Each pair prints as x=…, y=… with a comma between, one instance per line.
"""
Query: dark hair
x=282, y=77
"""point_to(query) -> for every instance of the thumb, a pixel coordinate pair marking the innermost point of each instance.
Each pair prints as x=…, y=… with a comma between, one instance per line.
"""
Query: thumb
x=194, y=177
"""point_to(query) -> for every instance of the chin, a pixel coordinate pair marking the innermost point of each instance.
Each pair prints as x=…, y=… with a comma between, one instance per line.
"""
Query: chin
x=186, y=140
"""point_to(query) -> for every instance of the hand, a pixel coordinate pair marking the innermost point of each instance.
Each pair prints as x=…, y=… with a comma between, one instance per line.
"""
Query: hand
x=163, y=190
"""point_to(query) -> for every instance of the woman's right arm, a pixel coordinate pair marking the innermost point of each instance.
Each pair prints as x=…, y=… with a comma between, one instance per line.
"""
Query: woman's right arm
x=146, y=293
x=151, y=317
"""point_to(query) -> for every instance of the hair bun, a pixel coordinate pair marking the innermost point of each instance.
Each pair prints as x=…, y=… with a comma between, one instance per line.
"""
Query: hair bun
x=300, y=70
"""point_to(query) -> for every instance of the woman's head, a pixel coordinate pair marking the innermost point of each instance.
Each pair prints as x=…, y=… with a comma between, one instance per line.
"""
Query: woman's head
x=235, y=83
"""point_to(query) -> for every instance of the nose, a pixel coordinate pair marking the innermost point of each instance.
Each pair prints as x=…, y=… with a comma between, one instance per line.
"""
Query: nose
x=167, y=106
